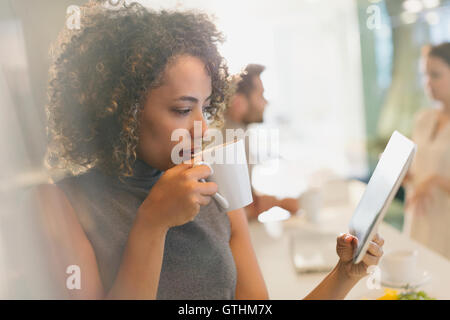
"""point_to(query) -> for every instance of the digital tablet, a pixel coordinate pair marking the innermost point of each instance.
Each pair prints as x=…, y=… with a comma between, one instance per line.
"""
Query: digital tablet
x=380, y=191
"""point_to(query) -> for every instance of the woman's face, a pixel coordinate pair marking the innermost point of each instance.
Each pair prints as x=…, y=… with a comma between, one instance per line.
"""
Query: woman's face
x=438, y=79
x=176, y=104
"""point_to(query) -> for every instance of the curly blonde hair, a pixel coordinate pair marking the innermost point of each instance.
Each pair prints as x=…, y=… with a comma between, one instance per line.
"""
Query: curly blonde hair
x=103, y=72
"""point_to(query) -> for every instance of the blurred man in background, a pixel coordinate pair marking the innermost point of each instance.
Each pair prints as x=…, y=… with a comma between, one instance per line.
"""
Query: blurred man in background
x=245, y=107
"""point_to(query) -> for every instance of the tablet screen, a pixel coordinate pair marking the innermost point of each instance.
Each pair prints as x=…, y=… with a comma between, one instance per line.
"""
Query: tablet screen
x=381, y=189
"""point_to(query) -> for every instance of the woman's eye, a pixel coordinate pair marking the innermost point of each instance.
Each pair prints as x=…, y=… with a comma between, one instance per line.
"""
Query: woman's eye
x=182, y=111
x=208, y=112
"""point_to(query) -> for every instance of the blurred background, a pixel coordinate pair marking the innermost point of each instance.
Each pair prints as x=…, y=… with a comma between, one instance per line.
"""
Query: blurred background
x=341, y=76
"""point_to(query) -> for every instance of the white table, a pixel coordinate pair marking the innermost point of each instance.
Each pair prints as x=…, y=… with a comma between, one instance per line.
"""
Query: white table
x=284, y=282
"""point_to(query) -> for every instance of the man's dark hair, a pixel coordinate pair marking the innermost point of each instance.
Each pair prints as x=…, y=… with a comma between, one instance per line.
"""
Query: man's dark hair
x=245, y=86
x=441, y=51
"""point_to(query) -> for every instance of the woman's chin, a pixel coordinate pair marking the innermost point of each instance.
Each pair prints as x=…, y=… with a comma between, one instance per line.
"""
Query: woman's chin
x=183, y=156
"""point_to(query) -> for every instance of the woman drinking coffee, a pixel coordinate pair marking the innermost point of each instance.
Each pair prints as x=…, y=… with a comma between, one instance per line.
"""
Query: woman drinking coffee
x=136, y=224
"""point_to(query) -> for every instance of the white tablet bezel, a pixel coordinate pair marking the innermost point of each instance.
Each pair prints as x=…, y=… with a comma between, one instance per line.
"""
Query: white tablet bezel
x=362, y=249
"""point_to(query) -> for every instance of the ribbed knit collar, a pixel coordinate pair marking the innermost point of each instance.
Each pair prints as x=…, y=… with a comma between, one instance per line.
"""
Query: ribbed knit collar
x=144, y=176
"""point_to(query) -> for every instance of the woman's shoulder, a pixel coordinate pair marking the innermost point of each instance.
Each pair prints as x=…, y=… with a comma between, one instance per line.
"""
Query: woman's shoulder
x=53, y=208
x=65, y=204
x=84, y=177
x=69, y=191
x=64, y=239
x=49, y=196
x=91, y=181
x=424, y=116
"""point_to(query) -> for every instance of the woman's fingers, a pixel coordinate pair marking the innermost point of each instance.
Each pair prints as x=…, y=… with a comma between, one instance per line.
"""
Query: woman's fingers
x=345, y=244
x=374, y=249
x=207, y=188
x=370, y=260
x=345, y=239
x=378, y=240
x=203, y=200
x=199, y=172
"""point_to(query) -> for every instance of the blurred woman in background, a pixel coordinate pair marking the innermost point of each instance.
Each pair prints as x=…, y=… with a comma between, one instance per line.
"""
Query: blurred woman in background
x=428, y=185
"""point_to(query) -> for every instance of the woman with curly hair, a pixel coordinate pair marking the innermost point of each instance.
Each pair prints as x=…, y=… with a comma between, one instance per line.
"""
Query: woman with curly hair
x=137, y=225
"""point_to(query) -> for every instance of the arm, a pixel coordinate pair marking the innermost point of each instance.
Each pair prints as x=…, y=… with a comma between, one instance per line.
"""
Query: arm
x=263, y=203
x=140, y=269
x=66, y=244
x=260, y=204
x=139, y=273
x=250, y=282
x=335, y=286
x=346, y=274
x=443, y=183
x=424, y=189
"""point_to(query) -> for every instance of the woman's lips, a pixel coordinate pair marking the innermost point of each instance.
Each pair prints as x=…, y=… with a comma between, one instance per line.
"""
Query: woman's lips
x=188, y=154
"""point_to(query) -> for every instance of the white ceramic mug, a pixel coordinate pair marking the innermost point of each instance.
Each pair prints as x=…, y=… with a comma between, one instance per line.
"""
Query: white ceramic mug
x=229, y=168
x=311, y=202
x=400, y=265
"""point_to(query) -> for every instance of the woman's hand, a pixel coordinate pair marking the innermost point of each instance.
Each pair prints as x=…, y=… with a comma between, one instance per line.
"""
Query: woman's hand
x=266, y=202
x=345, y=275
x=408, y=179
x=345, y=247
x=422, y=194
x=177, y=196
x=290, y=204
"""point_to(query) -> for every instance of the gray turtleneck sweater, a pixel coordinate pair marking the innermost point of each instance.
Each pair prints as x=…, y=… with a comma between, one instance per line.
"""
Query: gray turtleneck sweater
x=197, y=262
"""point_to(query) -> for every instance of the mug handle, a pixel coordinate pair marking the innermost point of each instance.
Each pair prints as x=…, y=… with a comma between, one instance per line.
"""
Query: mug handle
x=220, y=199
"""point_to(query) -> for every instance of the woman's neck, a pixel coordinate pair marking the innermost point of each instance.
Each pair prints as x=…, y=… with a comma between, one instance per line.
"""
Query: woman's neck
x=446, y=108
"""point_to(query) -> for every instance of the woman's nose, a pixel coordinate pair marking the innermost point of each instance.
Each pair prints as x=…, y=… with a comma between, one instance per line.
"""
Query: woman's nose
x=199, y=125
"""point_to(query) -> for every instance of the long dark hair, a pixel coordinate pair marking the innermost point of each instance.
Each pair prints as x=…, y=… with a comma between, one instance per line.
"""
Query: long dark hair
x=441, y=51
